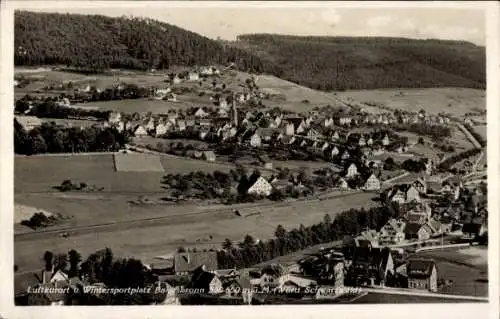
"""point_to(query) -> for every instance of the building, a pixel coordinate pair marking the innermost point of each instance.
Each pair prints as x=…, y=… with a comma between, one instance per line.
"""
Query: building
x=140, y=131
x=200, y=113
x=261, y=187
x=392, y=232
x=28, y=122
x=166, y=294
x=193, y=76
x=342, y=184
x=369, y=266
x=161, y=129
x=240, y=288
x=422, y=274
x=209, y=156
x=372, y=183
x=205, y=282
x=352, y=171
x=385, y=140
x=187, y=262
x=420, y=186
x=335, y=152
x=255, y=140
x=417, y=231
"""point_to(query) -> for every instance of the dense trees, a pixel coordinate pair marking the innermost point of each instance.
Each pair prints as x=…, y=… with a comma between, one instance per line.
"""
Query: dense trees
x=339, y=63
x=94, y=43
x=448, y=163
x=48, y=108
x=349, y=222
x=50, y=138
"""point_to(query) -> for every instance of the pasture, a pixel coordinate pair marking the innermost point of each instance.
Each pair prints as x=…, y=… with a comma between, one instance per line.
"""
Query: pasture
x=156, y=239
x=482, y=130
x=137, y=163
x=466, y=267
x=457, y=101
x=141, y=106
x=70, y=122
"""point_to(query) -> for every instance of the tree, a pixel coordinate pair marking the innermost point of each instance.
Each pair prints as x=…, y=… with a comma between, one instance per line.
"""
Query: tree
x=280, y=232
x=74, y=259
x=48, y=258
x=228, y=244
x=61, y=262
x=181, y=249
x=421, y=141
x=248, y=241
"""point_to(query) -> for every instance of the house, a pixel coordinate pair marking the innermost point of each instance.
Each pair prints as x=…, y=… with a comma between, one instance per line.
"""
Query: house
x=240, y=288
x=369, y=142
x=385, y=140
x=417, y=231
x=200, y=113
x=314, y=134
x=193, y=76
x=209, y=156
x=222, y=113
x=361, y=141
x=422, y=274
x=187, y=262
x=342, y=184
x=261, y=187
x=335, y=136
x=435, y=226
x=372, y=183
x=255, y=140
x=369, y=266
x=150, y=125
x=352, y=171
x=289, y=129
x=161, y=129
x=270, y=277
x=328, y=122
x=392, y=232
x=28, y=122
x=205, y=122
x=140, y=131
x=404, y=193
x=420, y=186
x=227, y=273
x=190, y=121
x=204, y=132
x=205, y=282
x=301, y=128
x=266, y=134
x=335, y=151
x=345, y=155
x=181, y=125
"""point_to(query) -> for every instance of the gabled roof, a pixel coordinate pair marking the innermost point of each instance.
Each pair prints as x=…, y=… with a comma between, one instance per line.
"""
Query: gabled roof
x=420, y=268
x=189, y=261
x=412, y=228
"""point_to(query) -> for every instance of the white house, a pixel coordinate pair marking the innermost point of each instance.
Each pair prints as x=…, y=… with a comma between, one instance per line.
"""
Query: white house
x=261, y=187
x=385, y=140
x=200, y=113
x=335, y=151
x=352, y=171
x=372, y=183
x=140, y=131
x=193, y=76
x=161, y=129
x=255, y=140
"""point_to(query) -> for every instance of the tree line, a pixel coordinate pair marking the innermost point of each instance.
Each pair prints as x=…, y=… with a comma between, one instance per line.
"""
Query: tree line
x=351, y=222
x=476, y=135
x=51, y=138
x=448, y=163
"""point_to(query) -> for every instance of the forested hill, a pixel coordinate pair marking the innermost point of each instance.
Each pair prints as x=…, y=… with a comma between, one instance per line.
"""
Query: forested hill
x=94, y=43
x=328, y=63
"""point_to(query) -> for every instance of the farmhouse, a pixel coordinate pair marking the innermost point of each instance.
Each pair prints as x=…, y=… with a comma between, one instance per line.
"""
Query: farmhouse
x=386, y=141
x=422, y=274
x=200, y=113
x=352, y=171
x=335, y=152
x=140, y=131
x=261, y=187
x=242, y=288
x=185, y=263
x=417, y=231
x=161, y=129
x=335, y=136
x=209, y=156
x=420, y=186
x=342, y=184
x=115, y=117
x=370, y=266
x=193, y=76
x=28, y=122
x=255, y=140
x=372, y=183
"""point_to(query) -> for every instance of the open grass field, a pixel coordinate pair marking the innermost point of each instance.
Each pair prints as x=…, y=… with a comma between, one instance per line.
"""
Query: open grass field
x=467, y=268
x=153, y=240
x=138, y=163
x=381, y=298
x=457, y=101
x=70, y=122
x=153, y=141
x=141, y=106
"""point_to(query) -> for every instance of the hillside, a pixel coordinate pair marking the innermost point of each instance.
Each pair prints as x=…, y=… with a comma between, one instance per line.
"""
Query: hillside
x=94, y=43
x=338, y=63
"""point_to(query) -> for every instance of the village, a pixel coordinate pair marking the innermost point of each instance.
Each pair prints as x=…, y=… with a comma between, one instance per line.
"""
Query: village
x=436, y=202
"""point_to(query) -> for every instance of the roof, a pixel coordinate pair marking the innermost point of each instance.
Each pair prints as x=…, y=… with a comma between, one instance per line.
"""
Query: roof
x=265, y=132
x=412, y=228
x=209, y=154
x=28, y=121
x=189, y=261
x=419, y=268
x=202, y=279
x=374, y=256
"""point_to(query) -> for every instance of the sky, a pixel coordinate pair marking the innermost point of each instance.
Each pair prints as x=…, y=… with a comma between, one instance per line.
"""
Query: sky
x=227, y=22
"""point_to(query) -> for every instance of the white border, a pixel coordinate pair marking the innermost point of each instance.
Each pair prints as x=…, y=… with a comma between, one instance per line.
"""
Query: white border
x=359, y=311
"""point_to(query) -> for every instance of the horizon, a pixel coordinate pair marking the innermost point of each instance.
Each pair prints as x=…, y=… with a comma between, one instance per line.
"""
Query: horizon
x=228, y=23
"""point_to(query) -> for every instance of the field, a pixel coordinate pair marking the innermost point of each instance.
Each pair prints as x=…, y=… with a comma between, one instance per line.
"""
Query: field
x=141, y=106
x=467, y=268
x=482, y=130
x=138, y=163
x=70, y=122
x=153, y=141
x=457, y=101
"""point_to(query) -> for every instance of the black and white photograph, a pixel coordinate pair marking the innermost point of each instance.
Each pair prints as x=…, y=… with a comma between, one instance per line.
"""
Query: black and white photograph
x=213, y=154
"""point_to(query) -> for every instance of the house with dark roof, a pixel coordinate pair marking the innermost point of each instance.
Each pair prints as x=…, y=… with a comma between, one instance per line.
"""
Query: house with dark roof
x=205, y=282
x=240, y=288
x=187, y=262
x=369, y=266
x=422, y=274
x=417, y=231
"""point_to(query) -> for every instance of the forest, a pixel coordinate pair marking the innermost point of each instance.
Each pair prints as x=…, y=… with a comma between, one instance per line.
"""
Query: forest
x=342, y=63
x=94, y=43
